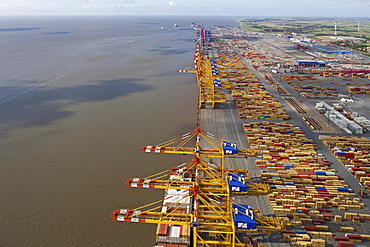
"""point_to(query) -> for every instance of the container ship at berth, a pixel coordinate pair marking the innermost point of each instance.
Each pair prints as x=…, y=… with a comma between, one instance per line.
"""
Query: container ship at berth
x=280, y=191
x=175, y=202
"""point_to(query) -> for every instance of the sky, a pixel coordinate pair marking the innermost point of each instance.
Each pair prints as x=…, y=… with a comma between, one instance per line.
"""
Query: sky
x=278, y=8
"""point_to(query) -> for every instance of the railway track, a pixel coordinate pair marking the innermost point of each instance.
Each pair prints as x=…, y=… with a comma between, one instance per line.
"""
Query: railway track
x=298, y=106
x=315, y=124
x=280, y=90
x=270, y=79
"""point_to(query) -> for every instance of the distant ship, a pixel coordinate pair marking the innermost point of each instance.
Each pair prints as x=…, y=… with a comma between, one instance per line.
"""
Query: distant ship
x=175, y=25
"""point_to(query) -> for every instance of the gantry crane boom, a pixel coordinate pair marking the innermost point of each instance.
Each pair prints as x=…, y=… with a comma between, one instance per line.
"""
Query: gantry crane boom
x=189, y=70
x=254, y=189
x=215, y=151
x=213, y=183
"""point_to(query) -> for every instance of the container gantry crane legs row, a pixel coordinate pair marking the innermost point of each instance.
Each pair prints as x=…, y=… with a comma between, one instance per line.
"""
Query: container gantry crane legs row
x=208, y=187
x=208, y=72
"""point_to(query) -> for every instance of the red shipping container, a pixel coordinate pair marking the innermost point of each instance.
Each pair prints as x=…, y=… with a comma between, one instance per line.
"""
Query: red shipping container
x=345, y=244
x=318, y=220
x=338, y=238
x=350, y=155
x=328, y=215
x=354, y=236
x=311, y=228
x=310, y=173
x=163, y=230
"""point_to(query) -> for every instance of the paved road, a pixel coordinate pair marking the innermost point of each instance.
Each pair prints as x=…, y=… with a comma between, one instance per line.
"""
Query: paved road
x=321, y=148
x=225, y=123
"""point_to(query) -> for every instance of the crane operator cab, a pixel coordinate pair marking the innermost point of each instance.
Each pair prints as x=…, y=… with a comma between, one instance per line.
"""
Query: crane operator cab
x=230, y=148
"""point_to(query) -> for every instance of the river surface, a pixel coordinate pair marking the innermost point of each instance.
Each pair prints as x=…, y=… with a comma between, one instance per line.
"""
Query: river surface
x=79, y=97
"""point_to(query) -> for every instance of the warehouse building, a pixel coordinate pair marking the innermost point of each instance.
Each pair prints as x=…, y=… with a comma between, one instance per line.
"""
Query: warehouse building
x=310, y=63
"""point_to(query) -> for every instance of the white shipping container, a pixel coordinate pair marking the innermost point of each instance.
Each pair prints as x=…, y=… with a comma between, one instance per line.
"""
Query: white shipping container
x=291, y=186
x=174, y=231
x=279, y=186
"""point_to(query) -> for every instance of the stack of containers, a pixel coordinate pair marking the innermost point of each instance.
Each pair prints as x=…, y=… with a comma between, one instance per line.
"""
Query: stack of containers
x=353, y=153
x=358, y=90
x=305, y=191
x=311, y=91
x=252, y=100
x=290, y=78
x=245, y=49
x=177, y=202
x=317, y=91
x=321, y=71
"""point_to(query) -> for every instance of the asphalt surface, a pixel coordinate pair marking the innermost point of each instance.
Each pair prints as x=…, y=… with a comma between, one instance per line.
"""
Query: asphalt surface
x=321, y=148
x=224, y=122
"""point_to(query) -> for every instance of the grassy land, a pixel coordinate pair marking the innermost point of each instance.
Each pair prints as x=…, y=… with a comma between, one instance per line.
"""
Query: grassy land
x=320, y=29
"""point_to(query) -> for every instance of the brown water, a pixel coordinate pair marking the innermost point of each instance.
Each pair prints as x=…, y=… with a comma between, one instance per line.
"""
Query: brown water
x=79, y=97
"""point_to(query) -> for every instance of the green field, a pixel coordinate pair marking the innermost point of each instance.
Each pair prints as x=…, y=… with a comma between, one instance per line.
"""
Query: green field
x=320, y=29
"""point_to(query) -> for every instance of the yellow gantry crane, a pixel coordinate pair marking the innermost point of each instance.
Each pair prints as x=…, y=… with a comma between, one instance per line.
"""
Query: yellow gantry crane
x=212, y=180
x=209, y=83
x=198, y=194
x=225, y=150
x=208, y=77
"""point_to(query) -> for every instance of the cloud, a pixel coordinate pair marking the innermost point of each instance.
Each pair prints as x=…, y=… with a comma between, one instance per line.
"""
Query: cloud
x=91, y=6
x=124, y=1
x=20, y=5
x=362, y=2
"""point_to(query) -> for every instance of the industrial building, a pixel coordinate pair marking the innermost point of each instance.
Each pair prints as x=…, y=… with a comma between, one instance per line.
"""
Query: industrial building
x=310, y=63
x=328, y=50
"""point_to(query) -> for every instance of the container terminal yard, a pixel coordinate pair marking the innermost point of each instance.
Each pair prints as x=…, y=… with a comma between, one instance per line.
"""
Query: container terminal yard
x=280, y=155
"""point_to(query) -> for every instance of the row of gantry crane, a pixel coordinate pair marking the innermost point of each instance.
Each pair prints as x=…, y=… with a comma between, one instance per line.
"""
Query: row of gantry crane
x=210, y=184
